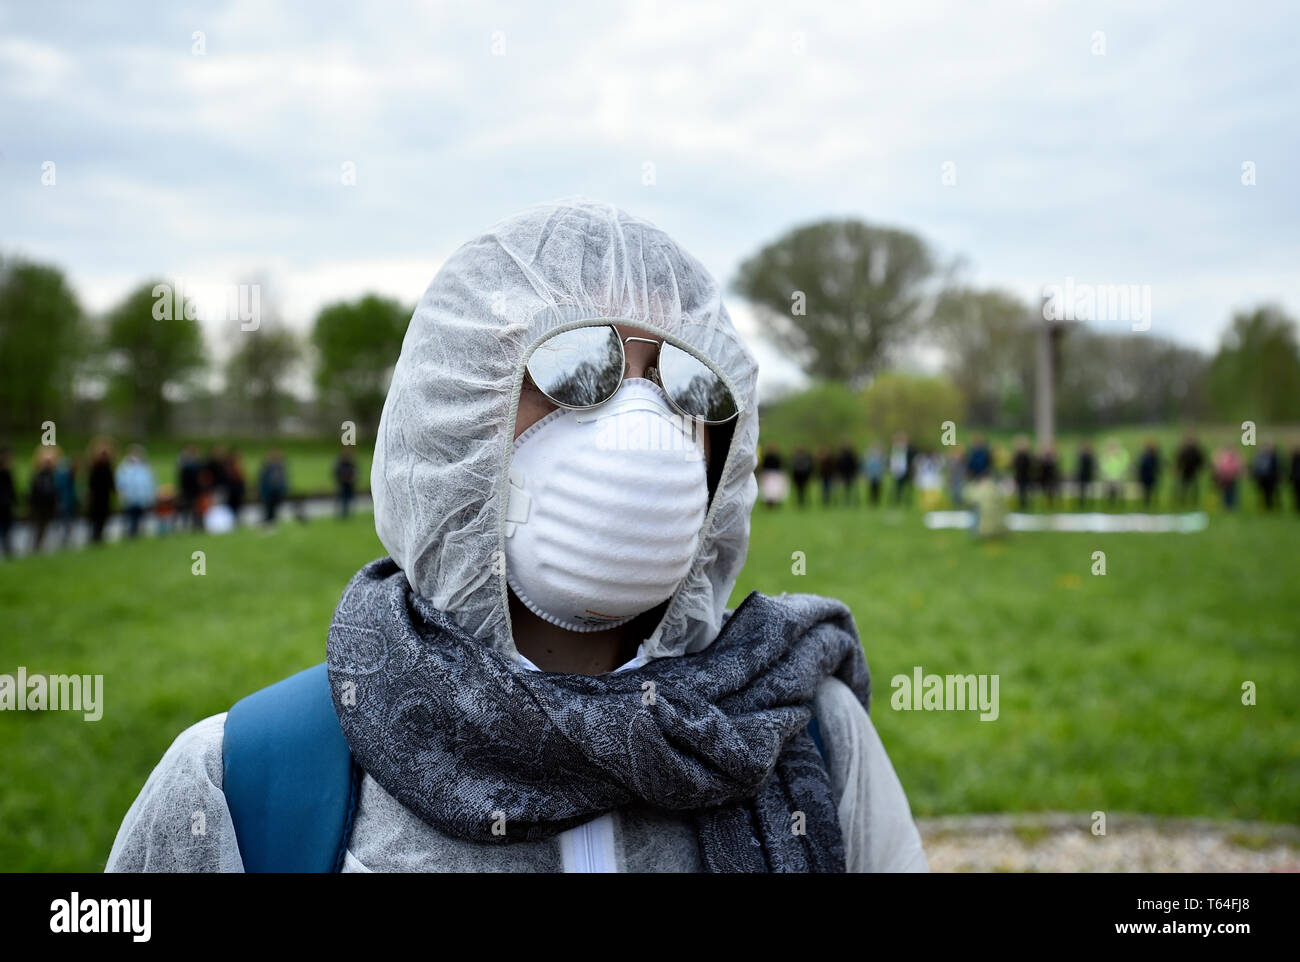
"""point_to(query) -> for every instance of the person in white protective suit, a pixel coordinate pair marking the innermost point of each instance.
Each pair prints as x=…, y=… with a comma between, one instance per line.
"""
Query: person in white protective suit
x=543, y=674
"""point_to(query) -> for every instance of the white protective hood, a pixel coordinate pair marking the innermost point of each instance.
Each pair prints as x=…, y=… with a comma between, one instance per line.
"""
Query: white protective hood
x=439, y=476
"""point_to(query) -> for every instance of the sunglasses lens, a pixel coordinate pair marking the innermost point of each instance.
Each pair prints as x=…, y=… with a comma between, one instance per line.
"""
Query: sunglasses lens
x=694, y=386
x=578, y=368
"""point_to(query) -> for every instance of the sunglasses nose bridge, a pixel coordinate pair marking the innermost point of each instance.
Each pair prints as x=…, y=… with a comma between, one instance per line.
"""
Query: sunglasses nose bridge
x=648, y=368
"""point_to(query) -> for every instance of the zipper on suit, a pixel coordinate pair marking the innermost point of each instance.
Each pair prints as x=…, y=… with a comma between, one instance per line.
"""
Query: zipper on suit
x=589, y=847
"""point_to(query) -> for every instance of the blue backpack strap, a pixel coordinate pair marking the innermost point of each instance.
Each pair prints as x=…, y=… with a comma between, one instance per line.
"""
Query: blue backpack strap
x=815, y=730
x=290, y=780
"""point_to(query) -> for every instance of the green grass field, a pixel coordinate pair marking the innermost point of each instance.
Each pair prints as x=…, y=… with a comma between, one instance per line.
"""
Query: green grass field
x=1117, y=693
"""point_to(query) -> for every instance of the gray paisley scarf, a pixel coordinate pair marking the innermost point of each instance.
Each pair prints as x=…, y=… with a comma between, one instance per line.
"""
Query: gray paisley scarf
x=482, y=748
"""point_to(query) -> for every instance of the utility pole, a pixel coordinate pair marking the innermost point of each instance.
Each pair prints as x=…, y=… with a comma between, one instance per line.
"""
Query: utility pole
x=1045, y=394
x=1049, y=354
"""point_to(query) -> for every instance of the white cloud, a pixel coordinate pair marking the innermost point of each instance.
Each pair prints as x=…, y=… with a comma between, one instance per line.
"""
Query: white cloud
x=32, y=70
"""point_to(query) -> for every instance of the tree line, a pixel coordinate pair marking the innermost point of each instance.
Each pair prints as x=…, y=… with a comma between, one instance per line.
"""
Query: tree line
x=138, y=369
x=847, y=299
x=844, y=298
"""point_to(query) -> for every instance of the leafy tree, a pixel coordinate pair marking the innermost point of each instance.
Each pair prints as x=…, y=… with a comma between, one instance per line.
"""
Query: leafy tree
x=42, y=341
x=823, y=414
x=1256, y=373
x=917, y=405
x=152, y=357
x=261, y=363
x=1108, y=379
x=840, y=296
x=989, y=340
x=357, y=343
x=257, y=370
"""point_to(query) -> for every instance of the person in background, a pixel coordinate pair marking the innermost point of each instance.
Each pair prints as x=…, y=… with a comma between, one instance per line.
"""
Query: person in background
x=1148, y=470
x=849, y=472
x=8, y=501
x=828, y=469
x=272, y=485
x=136, y=488
x=956, y=468
x=1267, y=472
x=164, y=509
x=1295, y=475
x=1188, y=463
x=1022, y=469
x=929, y=480
x=1049, y=475
x=900, y=466
x=188, y=483
x=218, y=482
x=65, y=479
x=1114, y=470
x=874, y=468
x=1086, y=473
x=101, y=485
x=43, y=495
x=1227, y=470
x=984, y=498
x=236, y=486
x=771, y=480
x=205, y=498
x=980, y=460
x=801, y=468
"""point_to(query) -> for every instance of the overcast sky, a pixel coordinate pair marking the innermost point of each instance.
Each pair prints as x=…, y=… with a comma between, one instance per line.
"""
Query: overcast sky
x=1115, y=167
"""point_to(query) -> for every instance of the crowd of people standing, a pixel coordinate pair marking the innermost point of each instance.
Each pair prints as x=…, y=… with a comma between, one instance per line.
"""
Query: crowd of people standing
x=901, y=473
x=65, y=488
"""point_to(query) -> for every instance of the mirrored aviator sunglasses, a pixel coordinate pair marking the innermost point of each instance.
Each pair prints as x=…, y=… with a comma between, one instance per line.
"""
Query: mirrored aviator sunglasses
x=583, y=367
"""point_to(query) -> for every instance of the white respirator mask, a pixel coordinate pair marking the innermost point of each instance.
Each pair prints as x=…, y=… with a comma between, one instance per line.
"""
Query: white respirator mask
x=605, y=508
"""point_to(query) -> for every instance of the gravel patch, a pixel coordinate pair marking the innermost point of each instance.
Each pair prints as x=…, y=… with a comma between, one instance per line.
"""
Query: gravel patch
x=1132, y=843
